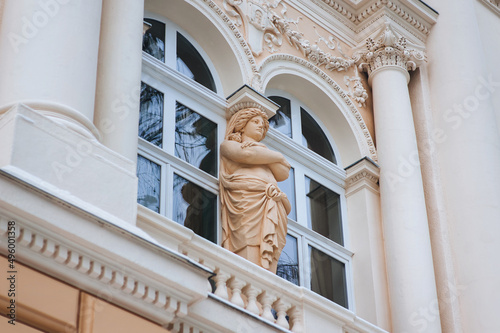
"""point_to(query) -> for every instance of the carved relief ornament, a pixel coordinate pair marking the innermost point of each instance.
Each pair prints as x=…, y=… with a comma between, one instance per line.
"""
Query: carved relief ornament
x=265, y=26
x=387, y=49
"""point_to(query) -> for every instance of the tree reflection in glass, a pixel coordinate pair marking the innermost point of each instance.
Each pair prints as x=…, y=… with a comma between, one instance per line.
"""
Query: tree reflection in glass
x=149, y=175
x=314, y=138
x=153, y=41
x=151, y=115
x=196, y=139
x=195, y=208
x=288, y=264
x=191, y=63
x=323, y=211
x=282, y=120
x=328, y=277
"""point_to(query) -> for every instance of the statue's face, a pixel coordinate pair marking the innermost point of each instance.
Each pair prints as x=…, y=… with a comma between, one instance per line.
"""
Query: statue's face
x=254, y=128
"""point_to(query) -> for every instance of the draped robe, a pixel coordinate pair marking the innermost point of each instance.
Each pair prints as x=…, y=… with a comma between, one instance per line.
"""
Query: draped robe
x=252, y=217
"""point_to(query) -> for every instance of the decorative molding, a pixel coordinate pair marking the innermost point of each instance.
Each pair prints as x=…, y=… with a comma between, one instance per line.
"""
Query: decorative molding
x=368, y=12
x=362, y=174
x=494, y=5
x=255, y=79
x=352, y=108
x=387, y=49
x=264, y=25
x=356, y=89
x=122, y=285
x=245, y=98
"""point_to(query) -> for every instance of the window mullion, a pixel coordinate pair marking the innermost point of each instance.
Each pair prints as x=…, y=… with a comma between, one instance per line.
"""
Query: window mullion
x=300, y=196
x=169, y=191
x=169, y=122
x=296, y=122
x=170, y=45
x=164, y=188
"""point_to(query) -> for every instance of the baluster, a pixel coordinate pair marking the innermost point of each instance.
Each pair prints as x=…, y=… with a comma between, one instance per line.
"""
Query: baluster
x=281, y=307
x=296, y=319
x=252, y=292
x=236, y=286
x=267, y=301
x=220, y=284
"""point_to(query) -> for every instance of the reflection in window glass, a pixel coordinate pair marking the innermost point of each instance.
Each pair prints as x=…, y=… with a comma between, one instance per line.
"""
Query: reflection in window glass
x=314, y=138
x=191, y=64
x=149, y=174
x=153, y=41
x=196, y=139
x=288, y=264
x=323, y=211
x=288, y=186
x=151, y=115
x=195, y=208
x=328, y=277
x=282, y=121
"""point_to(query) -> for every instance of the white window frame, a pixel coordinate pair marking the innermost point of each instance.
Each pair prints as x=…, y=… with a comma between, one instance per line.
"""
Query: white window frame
x=177, y=87
x=305, y=162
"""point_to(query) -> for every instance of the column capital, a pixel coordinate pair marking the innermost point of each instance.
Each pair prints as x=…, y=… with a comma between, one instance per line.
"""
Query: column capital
x=388, y=49
x=364, y=173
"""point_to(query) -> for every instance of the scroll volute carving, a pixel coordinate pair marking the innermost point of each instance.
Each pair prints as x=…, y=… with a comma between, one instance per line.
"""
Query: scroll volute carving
x=254, y=210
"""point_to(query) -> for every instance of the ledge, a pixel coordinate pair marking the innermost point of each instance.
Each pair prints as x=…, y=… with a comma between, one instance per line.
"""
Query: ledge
x=122, y=265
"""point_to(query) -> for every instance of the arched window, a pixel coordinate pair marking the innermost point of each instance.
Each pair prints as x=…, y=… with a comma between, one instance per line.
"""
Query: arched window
x=180, y=128
x=314, y=255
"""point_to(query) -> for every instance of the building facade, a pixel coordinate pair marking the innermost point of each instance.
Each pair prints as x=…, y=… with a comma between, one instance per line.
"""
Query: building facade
x=111, y=117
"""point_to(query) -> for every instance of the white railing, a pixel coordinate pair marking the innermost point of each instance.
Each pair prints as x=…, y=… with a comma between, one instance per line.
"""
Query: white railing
x=246, y=286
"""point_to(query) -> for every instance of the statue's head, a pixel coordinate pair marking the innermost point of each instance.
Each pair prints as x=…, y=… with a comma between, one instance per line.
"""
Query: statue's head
x=239, y=121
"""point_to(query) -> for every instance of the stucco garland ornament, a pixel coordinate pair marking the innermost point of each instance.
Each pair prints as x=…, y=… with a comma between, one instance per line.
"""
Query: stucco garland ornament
x=257, y=16
x=356, y=89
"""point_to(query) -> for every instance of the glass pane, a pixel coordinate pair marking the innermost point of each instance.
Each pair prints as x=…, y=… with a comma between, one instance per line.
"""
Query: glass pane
x=196, y=139
x=191, y=64
x=288, y=186
x=314, y=138
x=323, y=211
x=149, y=174
x=328, y=277
x=282, y=121
x=288, y=264
x=151, y=115
x=195, y=208
x=153, y=41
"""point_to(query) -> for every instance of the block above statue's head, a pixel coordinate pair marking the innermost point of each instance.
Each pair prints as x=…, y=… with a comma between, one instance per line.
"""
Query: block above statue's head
x=248, y=98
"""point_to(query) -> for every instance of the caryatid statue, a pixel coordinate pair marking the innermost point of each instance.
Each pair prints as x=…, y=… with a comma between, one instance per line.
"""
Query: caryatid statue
x=254, y=210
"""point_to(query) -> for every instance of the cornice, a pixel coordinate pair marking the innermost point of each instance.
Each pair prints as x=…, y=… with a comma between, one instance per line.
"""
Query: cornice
x=413, y=16
x=493, y=5
x=97, y=256
x=363, y=174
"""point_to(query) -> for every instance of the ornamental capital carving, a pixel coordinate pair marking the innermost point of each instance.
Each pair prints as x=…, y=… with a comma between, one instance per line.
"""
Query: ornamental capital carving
x=363, y=174
x=387, y=48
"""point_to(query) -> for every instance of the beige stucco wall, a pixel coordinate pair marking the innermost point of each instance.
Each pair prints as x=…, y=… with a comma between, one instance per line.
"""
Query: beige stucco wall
x=44, y=304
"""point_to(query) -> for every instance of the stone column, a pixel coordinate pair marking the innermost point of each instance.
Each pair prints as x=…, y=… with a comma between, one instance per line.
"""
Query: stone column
x=463, y=88
x=119, y=75
x=49, y=53
x=412, y=287
x=49, y=59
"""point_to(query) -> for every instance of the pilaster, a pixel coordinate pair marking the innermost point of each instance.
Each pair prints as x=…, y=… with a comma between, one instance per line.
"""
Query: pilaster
x=370, y=277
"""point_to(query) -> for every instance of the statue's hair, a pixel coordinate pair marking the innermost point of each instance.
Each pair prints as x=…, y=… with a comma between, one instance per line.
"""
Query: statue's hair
x=239, y=120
